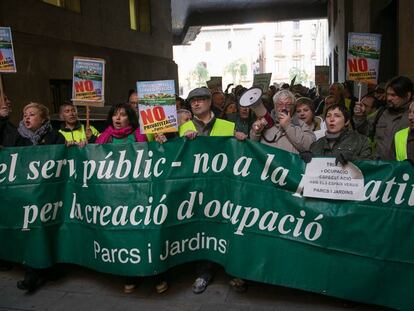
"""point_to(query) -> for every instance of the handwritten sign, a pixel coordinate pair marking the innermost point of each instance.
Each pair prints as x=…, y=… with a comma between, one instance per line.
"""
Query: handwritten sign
x=324, y=179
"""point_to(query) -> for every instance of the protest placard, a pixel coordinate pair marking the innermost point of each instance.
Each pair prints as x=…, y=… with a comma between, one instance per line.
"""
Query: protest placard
x=322, y=75
x=88, y=87
x=262, y=80
x=7, y=61
x=215, y=84
x=157, y=110
x=363, y=57
x=324, y=179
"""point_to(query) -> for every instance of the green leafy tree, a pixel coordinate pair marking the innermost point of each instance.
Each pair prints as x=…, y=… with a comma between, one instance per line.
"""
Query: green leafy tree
x=301, y=75
x=238, y=70
x=200, y=74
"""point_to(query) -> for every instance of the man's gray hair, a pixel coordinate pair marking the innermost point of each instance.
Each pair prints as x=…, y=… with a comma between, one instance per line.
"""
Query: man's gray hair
x=284, y=94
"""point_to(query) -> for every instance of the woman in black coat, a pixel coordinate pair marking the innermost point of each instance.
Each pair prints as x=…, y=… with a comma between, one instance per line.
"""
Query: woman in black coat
x=35, y=128
x=340, y=141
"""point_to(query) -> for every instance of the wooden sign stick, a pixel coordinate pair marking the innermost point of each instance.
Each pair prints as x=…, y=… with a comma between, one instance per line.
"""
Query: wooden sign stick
x=1, y=92
x=87, y=116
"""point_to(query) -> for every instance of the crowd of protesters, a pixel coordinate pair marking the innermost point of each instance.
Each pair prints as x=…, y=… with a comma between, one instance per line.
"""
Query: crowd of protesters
x=295, y=118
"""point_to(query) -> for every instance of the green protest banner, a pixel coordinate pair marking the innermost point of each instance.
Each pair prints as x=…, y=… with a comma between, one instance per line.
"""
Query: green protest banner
x=139, y=209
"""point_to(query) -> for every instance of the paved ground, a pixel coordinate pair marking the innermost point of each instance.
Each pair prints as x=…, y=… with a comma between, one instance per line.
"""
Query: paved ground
x=83, y=289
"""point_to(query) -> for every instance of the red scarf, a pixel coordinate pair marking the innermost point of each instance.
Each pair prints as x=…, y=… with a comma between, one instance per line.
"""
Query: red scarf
x=106, y=136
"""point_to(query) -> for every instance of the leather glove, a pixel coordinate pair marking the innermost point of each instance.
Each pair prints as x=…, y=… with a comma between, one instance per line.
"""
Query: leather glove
x=306, y=156
x=343, y=157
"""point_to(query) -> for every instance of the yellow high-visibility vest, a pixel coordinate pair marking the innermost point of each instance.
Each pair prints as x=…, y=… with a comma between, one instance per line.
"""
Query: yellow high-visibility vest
x=220, y=128
x=400, y=140
x=78, y=135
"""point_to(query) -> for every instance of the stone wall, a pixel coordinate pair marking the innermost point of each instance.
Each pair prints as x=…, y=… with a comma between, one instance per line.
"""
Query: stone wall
x=46, y=38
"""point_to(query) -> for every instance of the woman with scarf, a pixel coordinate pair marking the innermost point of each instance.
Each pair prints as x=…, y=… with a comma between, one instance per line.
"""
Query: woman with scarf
x=123, y=128
x=340, y=142
x=35, y=128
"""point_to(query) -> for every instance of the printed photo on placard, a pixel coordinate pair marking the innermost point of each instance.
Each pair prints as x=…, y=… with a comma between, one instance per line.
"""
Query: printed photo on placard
x=88, y=80
x=7, y=61
x=157, y=110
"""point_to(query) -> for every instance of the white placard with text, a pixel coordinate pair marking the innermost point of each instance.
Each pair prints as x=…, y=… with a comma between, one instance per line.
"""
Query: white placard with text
x=324, y=179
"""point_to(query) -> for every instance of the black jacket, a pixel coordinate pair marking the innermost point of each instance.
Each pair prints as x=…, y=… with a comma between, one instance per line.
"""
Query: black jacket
x=349, y=142
x=52, y=137
x=8, y=133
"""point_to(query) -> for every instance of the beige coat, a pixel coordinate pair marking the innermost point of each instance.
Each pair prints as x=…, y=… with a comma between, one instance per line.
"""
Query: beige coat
x=296, y=138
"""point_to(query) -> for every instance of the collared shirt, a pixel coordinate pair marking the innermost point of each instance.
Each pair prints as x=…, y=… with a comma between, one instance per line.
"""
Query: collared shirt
x=204, y=129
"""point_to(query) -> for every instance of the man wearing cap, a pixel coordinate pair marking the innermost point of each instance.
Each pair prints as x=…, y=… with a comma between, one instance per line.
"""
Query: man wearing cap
x=288, y=132
x=204, y=123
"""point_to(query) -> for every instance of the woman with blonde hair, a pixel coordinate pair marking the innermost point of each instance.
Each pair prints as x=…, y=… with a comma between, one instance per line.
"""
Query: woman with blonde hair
x=35, y=127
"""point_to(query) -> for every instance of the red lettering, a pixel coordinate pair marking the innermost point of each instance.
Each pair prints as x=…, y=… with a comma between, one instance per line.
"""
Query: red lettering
x=353, y=65
x=146, y=116
x=358, y=65
x=159, y=113
x=79, y=88
x=88, y=85
x=83, y=86
x=363, y=65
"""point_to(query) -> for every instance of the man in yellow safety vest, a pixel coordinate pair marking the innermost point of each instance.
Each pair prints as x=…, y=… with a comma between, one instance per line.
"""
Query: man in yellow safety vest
x=204, y=123
x=404, y=139
x=74, y=132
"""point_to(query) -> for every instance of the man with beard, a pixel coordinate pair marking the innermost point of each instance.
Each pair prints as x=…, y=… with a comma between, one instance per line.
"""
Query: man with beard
x=389, y=120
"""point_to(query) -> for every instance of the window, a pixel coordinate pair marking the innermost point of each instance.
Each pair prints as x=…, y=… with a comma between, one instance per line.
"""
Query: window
x=207, y=46
x=297, y=63
x=296, y=25
x=296, y=46
x=278, y=28
x=140, y=15
x=73, y=5
x=61, y=91
x=278, y=46
x=279, y=67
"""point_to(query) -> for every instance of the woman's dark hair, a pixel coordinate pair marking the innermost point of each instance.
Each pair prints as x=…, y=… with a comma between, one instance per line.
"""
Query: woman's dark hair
x=341, y=109
x=376, y=102
x=305, y=101
x=132, y=115
x=401, y=86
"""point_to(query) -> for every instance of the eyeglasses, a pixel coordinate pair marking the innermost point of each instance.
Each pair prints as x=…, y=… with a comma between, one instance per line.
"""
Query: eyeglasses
x=197, y=99
x=284, y=104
